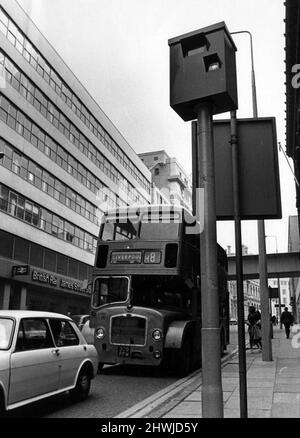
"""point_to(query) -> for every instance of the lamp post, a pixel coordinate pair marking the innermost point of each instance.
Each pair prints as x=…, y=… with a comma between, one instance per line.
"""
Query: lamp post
x=278, y=282
x=263, y=274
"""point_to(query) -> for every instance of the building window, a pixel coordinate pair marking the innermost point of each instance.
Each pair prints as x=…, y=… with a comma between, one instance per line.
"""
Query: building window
x=156, y=171
x=16, y=78
x=57, y=154
x=23, y=209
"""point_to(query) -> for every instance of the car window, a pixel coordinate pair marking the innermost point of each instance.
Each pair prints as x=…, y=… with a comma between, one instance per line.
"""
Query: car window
x=6, y=331
x=63, y=333
x=33, y=334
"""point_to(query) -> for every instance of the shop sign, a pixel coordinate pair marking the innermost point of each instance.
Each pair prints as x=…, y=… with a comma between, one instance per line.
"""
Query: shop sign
x=20, y=270
x=44, y=277
x=77, y=287
x=52, y=280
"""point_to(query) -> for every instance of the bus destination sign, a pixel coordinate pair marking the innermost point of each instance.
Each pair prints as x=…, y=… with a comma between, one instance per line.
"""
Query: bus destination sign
x=135, y=257
x=152, y=257
x=126, y=257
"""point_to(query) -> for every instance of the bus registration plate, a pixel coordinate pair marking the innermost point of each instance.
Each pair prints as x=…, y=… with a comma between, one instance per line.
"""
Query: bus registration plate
x=124, y=351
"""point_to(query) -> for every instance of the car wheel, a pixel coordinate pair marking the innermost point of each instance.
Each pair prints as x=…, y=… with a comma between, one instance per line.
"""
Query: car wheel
x=2, y=405
x=83, y=385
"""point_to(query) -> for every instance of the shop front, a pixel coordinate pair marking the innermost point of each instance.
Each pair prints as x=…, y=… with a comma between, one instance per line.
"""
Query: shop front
x=33, y=288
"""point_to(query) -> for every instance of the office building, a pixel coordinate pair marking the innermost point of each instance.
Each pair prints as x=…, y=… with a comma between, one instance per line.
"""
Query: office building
x=169, y=177
x=64, y=162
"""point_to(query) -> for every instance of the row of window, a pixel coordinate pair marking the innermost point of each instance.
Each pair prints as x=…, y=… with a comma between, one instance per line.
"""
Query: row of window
x=43, y=68
x=24, y=251
x=33, y=95
x=36, y=175
x=17, y=120
x=30, y=212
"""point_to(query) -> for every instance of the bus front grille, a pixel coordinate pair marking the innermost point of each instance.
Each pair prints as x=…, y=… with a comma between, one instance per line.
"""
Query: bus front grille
x=128, y=330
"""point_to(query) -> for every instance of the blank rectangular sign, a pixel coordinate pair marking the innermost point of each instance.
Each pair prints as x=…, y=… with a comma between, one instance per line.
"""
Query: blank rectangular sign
x=258, y=165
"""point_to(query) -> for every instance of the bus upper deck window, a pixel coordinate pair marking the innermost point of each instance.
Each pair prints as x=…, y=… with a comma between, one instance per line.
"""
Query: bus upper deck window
x=119, y=230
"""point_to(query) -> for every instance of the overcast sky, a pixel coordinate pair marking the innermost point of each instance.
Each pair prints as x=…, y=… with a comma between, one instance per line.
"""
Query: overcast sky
x=119, y=50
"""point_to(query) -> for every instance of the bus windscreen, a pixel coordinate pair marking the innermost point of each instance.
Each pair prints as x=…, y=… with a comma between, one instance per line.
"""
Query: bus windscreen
x=109, y=290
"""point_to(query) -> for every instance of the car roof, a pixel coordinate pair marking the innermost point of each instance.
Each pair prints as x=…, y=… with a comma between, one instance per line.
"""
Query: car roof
x=31, y=314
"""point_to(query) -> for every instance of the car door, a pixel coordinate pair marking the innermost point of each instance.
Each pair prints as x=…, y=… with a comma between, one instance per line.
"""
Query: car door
x=71, y=352
x=34, y=367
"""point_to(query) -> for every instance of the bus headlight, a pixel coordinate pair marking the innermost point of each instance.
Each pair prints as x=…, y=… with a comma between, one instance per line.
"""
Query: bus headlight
x=156, y=335
x=157, y=354
x=100, y=333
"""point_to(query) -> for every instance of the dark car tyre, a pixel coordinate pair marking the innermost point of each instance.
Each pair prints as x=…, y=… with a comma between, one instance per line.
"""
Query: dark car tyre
x=83, y=385
x=2, y=405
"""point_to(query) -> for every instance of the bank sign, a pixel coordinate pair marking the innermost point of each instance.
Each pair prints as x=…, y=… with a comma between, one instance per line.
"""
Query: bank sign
x=52, y=280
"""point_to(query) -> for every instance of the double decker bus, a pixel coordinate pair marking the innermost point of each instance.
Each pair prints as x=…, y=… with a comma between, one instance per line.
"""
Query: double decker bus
x=146, y=301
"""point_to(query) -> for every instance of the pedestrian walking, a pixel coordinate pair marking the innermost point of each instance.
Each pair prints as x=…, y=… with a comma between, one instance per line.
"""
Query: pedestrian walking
x=287, y=320
x=254, y=327
x=273, y=319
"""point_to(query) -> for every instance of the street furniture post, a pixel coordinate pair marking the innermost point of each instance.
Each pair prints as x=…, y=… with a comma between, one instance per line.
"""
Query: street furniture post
x=262, y=258
x=239, y=267
x=203, y=83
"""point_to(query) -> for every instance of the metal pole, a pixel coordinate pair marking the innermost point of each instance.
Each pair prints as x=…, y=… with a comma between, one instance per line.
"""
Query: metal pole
x=279, y=304
x=212, y=394
x=264, y=293
x=239, y=268
x=262, y=259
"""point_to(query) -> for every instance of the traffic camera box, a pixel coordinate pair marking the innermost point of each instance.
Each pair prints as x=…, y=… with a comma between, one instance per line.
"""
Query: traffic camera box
x=203, y=69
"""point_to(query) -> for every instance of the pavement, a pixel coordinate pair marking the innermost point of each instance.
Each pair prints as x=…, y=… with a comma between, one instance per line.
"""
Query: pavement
x=273, y=387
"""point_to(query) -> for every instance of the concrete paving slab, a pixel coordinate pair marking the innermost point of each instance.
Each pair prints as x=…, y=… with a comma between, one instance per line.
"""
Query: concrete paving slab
x=260, y=383
x=197, y=396
x=252, y=413
x=287, y=398
x=258, y=402
x=287, y=387
x=286, y=380
x=285, y=410
x=229, y=387
x=185, y=409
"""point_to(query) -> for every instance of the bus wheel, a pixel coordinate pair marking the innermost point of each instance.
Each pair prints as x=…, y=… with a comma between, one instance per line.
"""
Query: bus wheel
x=184, y=359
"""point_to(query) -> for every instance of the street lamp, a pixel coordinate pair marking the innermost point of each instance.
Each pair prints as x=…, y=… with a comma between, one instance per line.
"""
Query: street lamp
x=253, y=86
x=278, y=282
x=263, y=273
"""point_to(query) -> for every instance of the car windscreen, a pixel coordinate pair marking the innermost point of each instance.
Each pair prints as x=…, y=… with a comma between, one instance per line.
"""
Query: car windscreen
x=6, y=331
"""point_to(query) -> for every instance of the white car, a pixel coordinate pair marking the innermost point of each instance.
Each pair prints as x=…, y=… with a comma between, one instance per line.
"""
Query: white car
x=42, y=354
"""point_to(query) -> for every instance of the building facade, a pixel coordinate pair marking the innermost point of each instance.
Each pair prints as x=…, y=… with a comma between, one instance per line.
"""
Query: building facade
x=169, y=177
x=251, y=291
x=63, y=163
x=285, y=300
